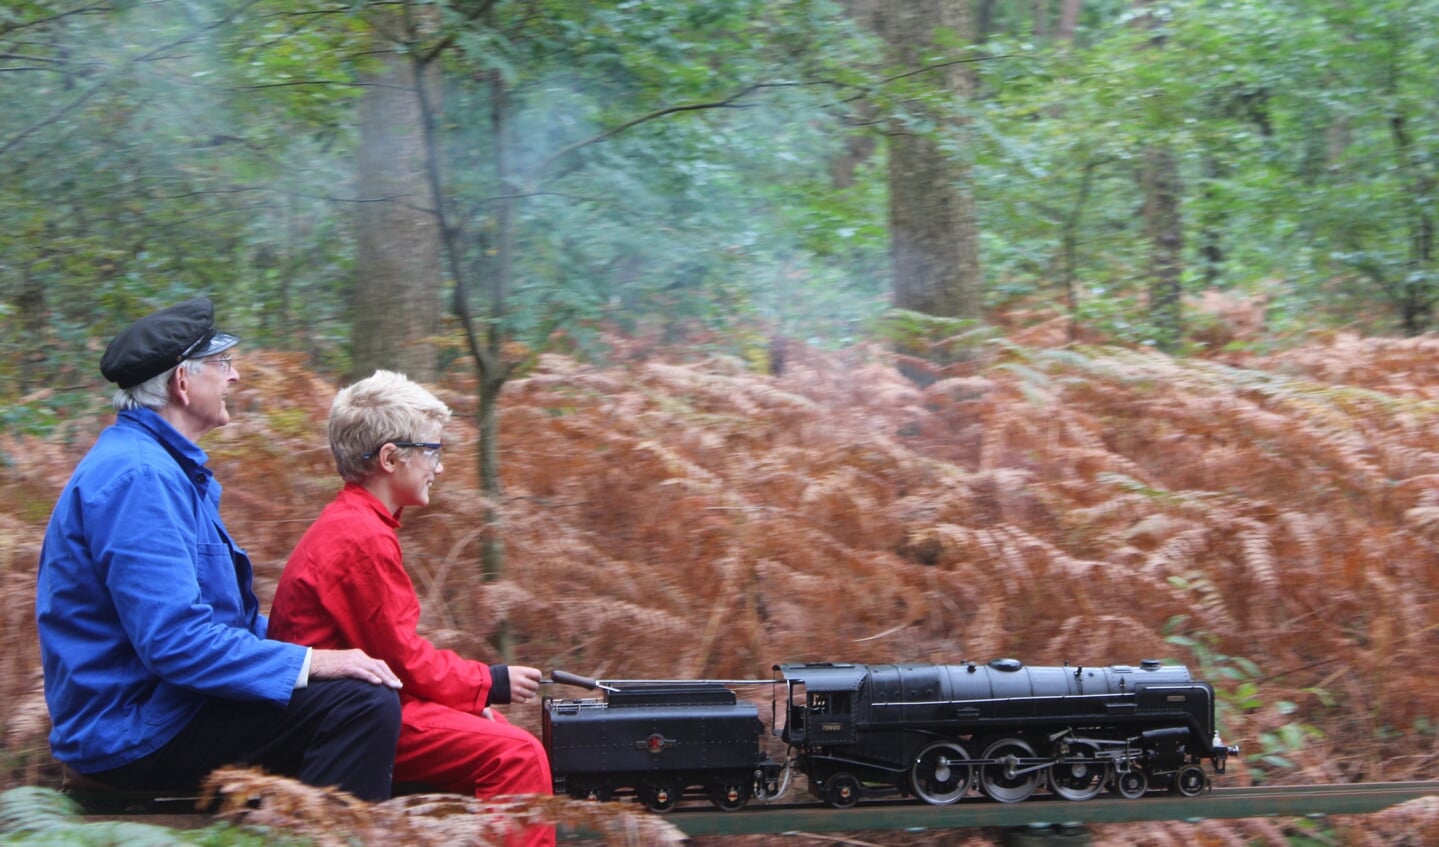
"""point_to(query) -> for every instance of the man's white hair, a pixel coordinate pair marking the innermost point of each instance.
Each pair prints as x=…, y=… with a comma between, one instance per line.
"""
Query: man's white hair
x=153, y=393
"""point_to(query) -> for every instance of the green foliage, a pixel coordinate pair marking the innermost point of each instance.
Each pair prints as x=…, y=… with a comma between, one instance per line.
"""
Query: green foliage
x=709, y=210
x=137, y=171
x=1306, y=134
x=938, y=339
x=43, y=816
x=1238, y=686
x=674, y=165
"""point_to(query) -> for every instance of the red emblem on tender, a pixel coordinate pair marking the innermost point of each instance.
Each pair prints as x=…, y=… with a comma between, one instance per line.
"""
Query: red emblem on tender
x=655, y=744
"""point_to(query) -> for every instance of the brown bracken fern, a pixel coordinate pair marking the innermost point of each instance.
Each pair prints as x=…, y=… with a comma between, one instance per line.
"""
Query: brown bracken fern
x=1271, y=521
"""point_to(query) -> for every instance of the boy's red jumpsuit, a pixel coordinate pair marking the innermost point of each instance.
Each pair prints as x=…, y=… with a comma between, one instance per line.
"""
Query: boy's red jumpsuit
x=344, y=587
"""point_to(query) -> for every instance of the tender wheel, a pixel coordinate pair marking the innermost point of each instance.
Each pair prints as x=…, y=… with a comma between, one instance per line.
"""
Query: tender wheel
x=1131, y=784
x=1007, y=779
x=1078, y=780
x=659, y=797
x=842, y=790
x=600, y=793
x=941, y=773
x=730, y=796
x=1190, y=781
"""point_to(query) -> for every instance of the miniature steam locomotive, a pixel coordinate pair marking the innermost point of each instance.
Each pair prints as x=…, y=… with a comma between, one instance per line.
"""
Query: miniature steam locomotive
x=856, y=731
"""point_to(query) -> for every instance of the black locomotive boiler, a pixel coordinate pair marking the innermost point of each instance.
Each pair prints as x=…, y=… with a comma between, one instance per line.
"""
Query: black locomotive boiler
x=935, y=732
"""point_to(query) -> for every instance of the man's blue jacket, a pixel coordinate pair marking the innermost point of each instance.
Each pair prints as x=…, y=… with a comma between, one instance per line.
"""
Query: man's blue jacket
x=144, y=603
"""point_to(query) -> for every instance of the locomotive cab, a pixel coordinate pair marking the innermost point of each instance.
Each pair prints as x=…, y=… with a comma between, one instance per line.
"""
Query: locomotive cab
x=821, y=704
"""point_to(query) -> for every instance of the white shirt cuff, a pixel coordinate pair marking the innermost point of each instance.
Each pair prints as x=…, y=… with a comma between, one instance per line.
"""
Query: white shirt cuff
x=304, y=678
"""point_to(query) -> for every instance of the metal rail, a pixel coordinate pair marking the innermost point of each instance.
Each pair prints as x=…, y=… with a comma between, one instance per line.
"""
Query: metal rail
x=1039, y=811
x=1269, y=801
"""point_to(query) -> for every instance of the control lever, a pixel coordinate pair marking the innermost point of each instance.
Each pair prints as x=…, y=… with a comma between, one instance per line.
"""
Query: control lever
x=566, y=678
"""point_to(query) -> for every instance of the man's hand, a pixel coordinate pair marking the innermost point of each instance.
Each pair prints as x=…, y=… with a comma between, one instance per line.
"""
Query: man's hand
x=356, y=664
x=524, y=683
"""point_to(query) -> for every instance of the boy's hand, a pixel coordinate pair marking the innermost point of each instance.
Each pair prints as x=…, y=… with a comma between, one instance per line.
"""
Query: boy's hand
x=524, y=683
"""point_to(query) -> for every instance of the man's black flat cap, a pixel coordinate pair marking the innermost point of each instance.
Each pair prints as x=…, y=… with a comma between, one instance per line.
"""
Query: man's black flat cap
x=161, y=340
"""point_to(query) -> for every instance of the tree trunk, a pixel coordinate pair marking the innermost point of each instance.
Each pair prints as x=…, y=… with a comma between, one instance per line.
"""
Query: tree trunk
x=1211, y=226
x=983, y=20
x=859, y=146
x=493, y=370
x=1162, y=188
x=1068, y=20
x=486, y=347
x=32, y=316
x=1164, y=230
x=934, y=243
x=398, y=276
x=1069, y=241
x=1417, y=310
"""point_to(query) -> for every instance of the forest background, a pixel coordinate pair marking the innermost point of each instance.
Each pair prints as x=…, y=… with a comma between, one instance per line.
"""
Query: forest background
x=881, y=330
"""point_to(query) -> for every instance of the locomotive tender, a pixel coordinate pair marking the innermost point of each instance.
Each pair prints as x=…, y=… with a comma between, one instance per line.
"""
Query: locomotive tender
x=659, y=740
x=935, y=732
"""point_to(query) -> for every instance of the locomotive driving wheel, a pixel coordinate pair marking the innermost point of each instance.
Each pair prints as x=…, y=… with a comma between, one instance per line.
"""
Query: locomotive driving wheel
x=1077, y=775
x=941, y=773
x=659, y=796
x=842, y=790
x=1008, y=778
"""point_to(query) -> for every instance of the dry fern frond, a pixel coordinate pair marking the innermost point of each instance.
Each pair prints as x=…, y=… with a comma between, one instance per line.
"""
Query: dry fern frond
x=674, y=514
x=333, y=818
x=1180, y=554
x=252, y=796
x=1414, y=822
x=1425, y=521
x=1257, y=557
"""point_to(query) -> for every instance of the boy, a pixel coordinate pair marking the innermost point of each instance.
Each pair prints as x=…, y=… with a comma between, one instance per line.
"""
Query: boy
x=345, y=586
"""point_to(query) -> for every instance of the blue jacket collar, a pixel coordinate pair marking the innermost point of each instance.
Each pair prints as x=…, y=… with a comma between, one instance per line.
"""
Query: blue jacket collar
x=187, y=453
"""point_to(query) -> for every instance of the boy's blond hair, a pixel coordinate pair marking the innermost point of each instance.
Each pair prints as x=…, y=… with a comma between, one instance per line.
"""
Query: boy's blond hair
x=383, y=407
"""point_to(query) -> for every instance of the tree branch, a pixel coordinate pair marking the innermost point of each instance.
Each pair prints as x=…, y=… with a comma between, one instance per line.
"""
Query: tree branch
x=726, y=103
x=101, y=84
x=104, y=7
x=474, y=14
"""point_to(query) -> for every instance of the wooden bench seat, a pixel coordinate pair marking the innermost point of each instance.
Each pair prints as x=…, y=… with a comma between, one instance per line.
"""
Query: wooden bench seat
x=98, y=798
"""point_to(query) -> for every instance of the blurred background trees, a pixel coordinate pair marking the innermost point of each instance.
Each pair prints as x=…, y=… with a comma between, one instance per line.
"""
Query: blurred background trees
x=712, y=172
x=460, y=186
x=456, y=188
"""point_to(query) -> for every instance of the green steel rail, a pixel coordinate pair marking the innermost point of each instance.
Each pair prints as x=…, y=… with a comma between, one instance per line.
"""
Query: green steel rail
x=972, y=812
x=1270, y=801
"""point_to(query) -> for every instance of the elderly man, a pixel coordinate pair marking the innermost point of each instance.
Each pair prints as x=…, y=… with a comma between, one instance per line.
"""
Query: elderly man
x=157, y=667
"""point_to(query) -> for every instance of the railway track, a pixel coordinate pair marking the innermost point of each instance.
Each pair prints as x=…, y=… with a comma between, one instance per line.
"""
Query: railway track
x=974, y=812
x=1268, y=801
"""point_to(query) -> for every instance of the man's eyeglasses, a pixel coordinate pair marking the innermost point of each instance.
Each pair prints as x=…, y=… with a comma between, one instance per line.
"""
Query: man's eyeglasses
x=222, y=361
x=432, y=450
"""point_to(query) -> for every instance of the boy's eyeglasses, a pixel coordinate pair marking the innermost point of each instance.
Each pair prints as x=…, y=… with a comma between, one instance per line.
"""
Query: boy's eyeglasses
x=432, y=450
